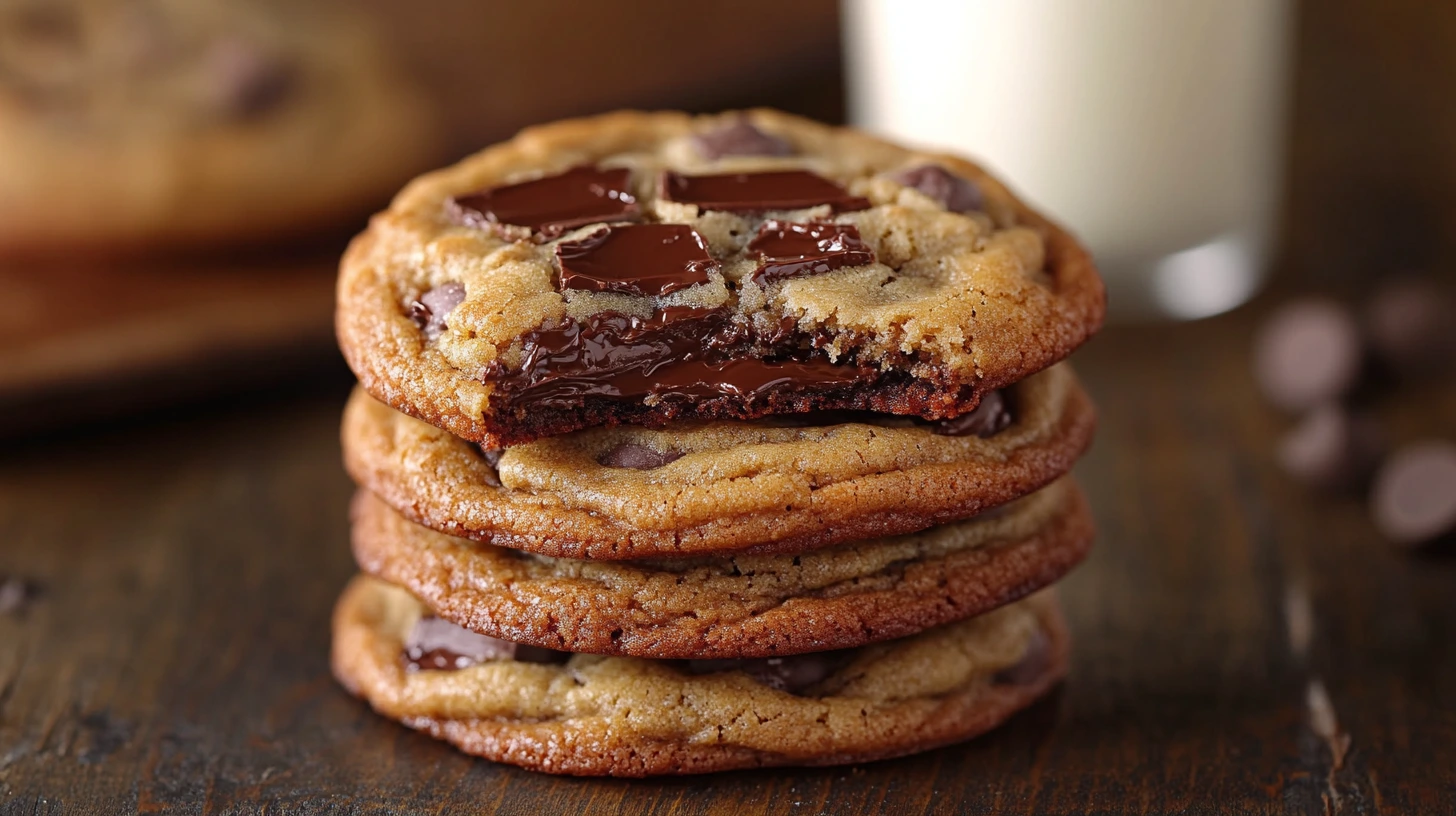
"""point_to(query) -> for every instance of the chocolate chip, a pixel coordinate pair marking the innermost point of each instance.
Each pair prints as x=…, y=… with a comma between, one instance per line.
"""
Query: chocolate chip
x=792, y=674
x=1412, y=327
x=991, y=416
x=1307, y=354
x=788, y=250
x=1414, y=497
x=437, y=644
x=492, y=460
x=637, y=457
x=434, y=306
x=550, y=205
x=1331, y=449
x=1031, y=667
x=953, y=192
x=646, y=260
x=758, y=192
x=739, y=138
x=246, y=79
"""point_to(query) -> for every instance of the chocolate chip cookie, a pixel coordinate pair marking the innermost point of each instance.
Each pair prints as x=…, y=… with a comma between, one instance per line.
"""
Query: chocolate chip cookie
x=696, y=488
x=637, y=268
x=592, y=715
x=739, y=605
x=132, y=124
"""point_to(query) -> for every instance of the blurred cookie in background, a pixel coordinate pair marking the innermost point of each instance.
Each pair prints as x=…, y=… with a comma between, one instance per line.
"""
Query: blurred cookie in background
x=132, y=125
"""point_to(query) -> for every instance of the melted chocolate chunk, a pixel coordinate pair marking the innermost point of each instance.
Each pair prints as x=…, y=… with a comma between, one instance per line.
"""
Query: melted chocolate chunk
x=990, y=417
x=430, y=311
x=639, y=259
x=789, y=250
x=637, y=457
x=1031, y=667
x=758, y=192
x=551, y=205
x=438, y=644
x=678, y=354
x=953, y=192
x=739, y=138
x=793, y=674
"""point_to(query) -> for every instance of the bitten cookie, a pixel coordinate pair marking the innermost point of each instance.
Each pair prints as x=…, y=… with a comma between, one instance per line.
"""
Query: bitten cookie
x=593, y=715
x=644, y=267
x=130, y=124
x=697, y=488
x=739, y=606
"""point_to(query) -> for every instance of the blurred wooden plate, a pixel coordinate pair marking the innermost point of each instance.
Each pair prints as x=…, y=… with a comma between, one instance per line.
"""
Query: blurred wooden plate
x=88, y=340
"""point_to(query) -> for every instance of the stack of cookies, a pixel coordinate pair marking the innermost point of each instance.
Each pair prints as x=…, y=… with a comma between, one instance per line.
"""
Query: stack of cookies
x=688, y=444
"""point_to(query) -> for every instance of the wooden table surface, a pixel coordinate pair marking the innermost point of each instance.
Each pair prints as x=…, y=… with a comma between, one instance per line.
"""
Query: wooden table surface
x=1241, y=646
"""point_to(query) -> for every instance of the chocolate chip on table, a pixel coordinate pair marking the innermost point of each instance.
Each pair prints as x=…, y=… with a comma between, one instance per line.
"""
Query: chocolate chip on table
x=1414, y=497
x=990, y=416
x=246, y=79
x=1331, y=448
x=637, y=457
x=16, y=595
x=1308, y=353
x=434, y=306
x=1412, y=326
x=1032, y=665
x=953, y=192
x=739, y=138
x=437, y=644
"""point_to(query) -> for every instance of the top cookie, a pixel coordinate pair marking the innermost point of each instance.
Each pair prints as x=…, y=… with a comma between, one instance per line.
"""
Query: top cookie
x=133, y=124
x=641, y=267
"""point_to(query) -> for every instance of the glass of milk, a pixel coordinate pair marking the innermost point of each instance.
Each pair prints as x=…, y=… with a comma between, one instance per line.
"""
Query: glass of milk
x=1152, y=128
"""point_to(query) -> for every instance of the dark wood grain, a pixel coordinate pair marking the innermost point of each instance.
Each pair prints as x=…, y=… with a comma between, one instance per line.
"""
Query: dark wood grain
x=175, y=660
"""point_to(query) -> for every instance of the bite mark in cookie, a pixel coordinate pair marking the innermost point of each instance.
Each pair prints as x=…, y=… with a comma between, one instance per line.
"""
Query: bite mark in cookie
x=679, y=355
